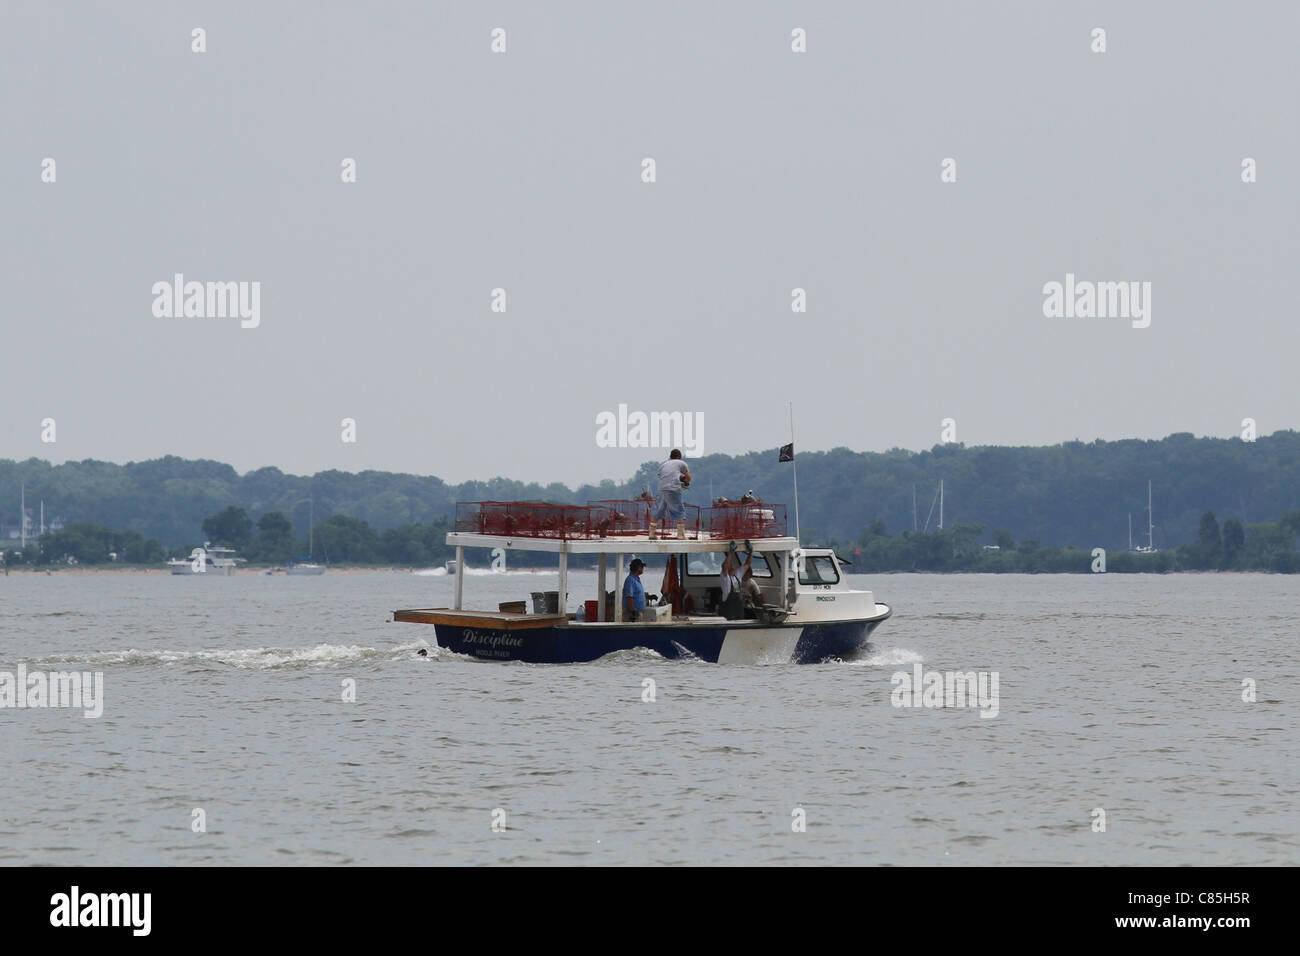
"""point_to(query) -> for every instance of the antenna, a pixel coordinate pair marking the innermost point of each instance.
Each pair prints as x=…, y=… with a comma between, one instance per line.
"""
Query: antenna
x=794, y=460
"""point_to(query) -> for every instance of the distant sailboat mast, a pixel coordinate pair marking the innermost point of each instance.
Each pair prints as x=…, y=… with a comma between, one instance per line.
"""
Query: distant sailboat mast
x=22, y=514
x=1151, y=525
x=936, y=500
x=308, y=567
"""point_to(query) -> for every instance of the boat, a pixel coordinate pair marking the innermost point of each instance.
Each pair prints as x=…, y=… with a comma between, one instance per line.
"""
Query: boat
x=308, y=567
x=207, y=560
x=807, y=612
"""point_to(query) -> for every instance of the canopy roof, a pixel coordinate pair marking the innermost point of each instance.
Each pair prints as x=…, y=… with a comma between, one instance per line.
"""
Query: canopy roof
x=621, y=544
x=601, y=520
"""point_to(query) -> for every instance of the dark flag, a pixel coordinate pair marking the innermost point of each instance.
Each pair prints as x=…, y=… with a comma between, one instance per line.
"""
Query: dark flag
x=787, y=452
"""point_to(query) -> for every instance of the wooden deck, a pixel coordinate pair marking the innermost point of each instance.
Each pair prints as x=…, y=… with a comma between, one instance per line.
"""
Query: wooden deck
x=496, y=620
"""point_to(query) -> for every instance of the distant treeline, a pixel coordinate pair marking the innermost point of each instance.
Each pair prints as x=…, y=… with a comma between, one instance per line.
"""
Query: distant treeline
x=1072, y=493
x=1264, y=546
x=271, y=540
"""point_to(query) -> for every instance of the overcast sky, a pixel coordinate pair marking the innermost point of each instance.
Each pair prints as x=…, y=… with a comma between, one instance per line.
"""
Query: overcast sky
x=522, y=170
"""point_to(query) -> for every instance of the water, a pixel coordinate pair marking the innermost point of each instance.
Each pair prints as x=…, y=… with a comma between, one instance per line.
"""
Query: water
x=1119, y=692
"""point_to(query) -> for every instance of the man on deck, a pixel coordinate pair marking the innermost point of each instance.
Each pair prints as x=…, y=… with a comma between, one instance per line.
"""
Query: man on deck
x=633, y=591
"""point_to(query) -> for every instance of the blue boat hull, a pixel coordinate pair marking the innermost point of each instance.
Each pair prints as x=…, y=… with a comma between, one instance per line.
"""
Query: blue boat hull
x=738, y=642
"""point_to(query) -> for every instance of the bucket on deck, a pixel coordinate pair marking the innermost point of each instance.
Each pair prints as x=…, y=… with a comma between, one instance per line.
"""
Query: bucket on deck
x=546, y=602
x=591, y=608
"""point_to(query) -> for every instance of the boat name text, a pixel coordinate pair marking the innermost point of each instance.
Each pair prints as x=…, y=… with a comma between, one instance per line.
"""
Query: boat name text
x=492, y=639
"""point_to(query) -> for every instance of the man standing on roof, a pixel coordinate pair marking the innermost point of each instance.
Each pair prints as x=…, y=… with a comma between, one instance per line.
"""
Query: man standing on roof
x=673, y=477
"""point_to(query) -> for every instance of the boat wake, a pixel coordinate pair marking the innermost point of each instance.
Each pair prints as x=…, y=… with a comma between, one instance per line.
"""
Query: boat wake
x=686, y=654
x=894, y=657
x=634, y=655
x=253, y=658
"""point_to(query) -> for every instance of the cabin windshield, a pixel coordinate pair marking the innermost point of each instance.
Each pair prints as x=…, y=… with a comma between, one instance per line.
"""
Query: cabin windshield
x=819, y=569
x=709, y=564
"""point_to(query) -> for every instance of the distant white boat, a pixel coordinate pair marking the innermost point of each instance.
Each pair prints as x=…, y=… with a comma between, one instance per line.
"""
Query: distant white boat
x=206, y=560
x=304, y=569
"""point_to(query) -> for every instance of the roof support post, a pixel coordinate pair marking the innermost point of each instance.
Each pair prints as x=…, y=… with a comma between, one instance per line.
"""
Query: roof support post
x=460, y=574
x=600, y=588
x=564, y=578
x=618, y=588
x=785, y=579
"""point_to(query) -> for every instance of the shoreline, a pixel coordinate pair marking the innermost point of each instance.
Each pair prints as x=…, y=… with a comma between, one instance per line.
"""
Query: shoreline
x=278, y=570
x=82, y=570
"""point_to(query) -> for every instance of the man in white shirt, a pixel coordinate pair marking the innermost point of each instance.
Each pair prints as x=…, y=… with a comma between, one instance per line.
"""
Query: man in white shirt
x=738, y=586
x=673, y=477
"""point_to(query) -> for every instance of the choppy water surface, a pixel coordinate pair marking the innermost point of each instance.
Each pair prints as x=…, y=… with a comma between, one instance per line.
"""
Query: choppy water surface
x=1116, y=692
